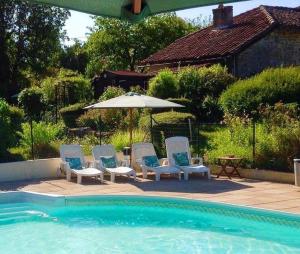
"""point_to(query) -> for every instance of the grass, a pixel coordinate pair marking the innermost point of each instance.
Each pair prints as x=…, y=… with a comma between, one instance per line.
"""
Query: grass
x=121, y=139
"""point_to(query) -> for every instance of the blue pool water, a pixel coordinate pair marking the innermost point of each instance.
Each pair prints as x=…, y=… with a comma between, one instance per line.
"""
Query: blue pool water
x=125, y=224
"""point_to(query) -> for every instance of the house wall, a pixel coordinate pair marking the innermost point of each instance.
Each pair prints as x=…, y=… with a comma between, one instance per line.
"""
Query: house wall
x=279, y=48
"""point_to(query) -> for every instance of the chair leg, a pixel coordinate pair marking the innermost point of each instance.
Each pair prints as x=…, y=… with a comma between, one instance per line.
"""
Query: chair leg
x=79, y=179
x=112, y=177
x=186, y=176
x=208, y=175
x=134, y=176
x=101, y=178
x=68, y=175
x=157, y=177
x=145, y=174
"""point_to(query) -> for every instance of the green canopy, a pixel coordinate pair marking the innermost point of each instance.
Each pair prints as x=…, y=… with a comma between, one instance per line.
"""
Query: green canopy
x=133, y=10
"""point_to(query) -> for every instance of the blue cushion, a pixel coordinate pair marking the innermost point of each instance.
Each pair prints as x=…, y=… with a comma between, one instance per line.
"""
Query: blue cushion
x=151, y=161
x=74, y=163
x=109, y=161
x=181, y=159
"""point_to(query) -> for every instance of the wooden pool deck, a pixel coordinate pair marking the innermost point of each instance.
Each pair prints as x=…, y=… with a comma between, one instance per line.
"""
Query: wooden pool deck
x=260, y=194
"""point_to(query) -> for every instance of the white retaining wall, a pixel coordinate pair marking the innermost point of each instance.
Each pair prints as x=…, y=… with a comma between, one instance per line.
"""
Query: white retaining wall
x=33, y=169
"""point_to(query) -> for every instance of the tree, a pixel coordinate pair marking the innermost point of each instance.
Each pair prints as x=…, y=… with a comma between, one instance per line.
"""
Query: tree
x=119, y=44
x=33, y=102
x=30, y=37
x=74, y=57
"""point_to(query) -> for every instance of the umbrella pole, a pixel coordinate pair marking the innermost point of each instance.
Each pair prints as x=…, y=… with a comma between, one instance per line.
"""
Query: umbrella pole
x=130, y=126
x=130, y=133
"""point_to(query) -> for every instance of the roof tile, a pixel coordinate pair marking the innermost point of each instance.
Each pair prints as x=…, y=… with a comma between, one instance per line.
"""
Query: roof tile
x=209, y=43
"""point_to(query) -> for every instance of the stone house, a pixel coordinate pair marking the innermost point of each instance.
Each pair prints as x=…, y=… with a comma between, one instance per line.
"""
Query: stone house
x=266, y=36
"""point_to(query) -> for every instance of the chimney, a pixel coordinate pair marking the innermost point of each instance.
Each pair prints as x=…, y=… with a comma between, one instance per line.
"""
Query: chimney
x=223, y=16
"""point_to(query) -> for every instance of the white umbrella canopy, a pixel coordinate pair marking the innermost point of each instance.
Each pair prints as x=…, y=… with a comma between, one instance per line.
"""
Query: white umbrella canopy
x=133, y=100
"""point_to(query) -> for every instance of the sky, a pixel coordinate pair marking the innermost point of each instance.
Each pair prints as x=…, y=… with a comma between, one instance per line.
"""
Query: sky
x=77, y=25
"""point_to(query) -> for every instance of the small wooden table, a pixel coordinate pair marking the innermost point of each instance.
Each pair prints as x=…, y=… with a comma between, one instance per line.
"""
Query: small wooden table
x=229, y=162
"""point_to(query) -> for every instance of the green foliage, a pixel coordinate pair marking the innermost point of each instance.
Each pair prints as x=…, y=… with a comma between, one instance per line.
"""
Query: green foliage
x=164, y=85
x=121, y=139
x=74, y=57
x=119, y=44
x=30, y=40
x=91, y=118
x=111, y=92
x=44, y=134
x=277, y=138
x=187, y=103
x=281, y=141
x=170, y=117
x=203, y=86
x=270, y=86
x=10, y=122
x=137, y=89
x=234, y=138
x=87, y=142
x=66, y=87
x=33, y=102
x=71, y=113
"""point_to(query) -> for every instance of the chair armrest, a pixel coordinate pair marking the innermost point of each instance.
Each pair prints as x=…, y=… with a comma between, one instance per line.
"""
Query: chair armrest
x=97, y=164
x=164, y=161
x=197, y=160
x=124, y=163
x=64, y=165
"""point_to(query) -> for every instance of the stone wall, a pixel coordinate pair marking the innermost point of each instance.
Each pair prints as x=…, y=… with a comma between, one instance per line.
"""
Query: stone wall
x=279, y=48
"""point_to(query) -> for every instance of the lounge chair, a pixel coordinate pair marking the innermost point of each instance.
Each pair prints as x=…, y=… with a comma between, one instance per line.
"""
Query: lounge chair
x=179, y=155
x=73, y=162
x=105, y=159
x=145, y=156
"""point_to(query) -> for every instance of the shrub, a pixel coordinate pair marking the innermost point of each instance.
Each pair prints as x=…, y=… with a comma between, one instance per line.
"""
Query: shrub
x=111, y=92
x=44, y=134
x=166, y=124
x=203, y=87
x=268, y=87
x=121, y=139
x=187, y=103
x=90, y=118
x=33, y=102
x=108, y=119
x=71, y=113
x=66, y=87
x=171, y=117
x=164, y=85
x=277, y=138
x=10, y=122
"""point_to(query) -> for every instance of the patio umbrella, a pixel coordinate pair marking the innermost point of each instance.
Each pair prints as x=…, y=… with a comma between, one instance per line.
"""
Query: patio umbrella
x=133, y=10
x=134, y=100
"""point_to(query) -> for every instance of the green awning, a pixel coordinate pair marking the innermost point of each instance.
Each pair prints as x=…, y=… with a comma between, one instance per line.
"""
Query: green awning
x=124, y=8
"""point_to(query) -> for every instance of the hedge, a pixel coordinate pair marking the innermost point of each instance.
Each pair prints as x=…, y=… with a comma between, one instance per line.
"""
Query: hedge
x=164, y=85
x=268, y=87
x=71, y=113
x=166, y=124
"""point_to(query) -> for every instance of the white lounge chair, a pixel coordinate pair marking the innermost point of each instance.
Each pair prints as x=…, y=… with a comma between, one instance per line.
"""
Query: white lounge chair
x=142, y=152
x=178, y=148
x=72, y=161
x=105, y=155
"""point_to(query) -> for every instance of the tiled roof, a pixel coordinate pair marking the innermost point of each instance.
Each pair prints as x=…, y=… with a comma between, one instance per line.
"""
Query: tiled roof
x=129, y=73
x=212, y=43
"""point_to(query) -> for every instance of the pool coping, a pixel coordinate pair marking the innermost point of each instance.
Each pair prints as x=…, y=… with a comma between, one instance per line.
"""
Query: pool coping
x=62, y=198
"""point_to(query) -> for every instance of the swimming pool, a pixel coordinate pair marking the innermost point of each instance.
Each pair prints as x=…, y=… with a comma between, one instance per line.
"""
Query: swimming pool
x=130, y=224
